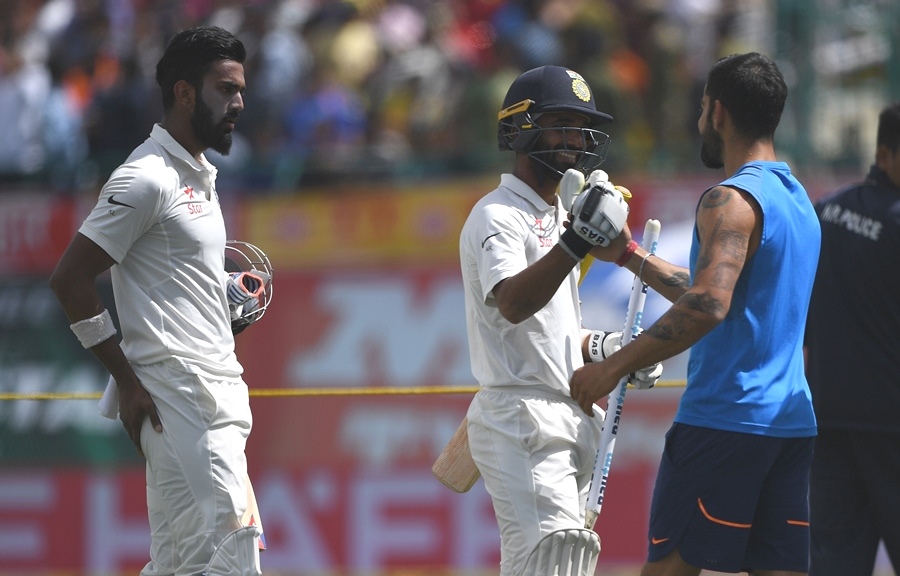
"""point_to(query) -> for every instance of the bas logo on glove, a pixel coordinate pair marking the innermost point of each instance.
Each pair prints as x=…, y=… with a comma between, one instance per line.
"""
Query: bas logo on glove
x=599, y=210
x=600, y=214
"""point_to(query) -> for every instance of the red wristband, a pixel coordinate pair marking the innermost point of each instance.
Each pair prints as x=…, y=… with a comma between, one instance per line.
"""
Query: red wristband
x=626, y=254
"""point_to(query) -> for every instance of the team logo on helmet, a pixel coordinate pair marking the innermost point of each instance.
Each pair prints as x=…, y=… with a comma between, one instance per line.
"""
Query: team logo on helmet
x=580, y=88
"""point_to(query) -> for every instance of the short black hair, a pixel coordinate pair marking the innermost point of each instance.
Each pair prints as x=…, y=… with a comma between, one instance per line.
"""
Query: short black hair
x=189, y=56
x=889, y=127
x=752, y=89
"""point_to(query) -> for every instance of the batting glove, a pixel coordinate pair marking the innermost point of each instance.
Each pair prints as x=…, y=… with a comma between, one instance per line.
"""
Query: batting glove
x=603, y=344
x=573, y=184
x=242, y=287
x=598, y=216
x=600, y=213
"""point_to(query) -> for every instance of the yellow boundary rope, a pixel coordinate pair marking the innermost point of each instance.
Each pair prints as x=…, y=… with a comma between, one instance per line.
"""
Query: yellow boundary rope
x=292, y=392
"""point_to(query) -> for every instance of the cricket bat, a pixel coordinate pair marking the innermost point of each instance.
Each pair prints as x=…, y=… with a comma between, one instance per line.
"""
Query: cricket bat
x=454, y=466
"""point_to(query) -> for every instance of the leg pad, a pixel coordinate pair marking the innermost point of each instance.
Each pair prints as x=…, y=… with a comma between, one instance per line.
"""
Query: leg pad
x=236, y=555
x=566, y=552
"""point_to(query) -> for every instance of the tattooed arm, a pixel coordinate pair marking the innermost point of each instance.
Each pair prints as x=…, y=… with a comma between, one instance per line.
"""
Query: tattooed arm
x=667, y=279
x=729, y=225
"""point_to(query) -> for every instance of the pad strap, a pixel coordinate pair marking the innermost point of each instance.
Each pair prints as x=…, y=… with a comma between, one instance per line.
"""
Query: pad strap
x=95, y=330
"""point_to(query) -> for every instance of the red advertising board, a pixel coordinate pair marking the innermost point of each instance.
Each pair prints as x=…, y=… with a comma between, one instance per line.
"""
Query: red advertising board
x=34, y=231
x=343, y=481
x=333, y=507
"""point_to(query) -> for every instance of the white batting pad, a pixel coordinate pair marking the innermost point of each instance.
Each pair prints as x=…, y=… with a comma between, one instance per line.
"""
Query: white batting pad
x=236, y=555
x=566, y=552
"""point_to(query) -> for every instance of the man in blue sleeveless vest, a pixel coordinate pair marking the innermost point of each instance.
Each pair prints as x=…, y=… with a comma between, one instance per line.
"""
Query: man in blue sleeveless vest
x=854, y=369
x=731, y=491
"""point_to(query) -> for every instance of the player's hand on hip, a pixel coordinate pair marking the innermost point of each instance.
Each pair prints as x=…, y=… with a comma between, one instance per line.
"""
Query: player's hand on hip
x=590, y=383
x=136, y=404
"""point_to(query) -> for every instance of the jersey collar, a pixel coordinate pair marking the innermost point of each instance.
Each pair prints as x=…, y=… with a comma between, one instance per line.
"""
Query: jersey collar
x=164, y=139
x=522, y=189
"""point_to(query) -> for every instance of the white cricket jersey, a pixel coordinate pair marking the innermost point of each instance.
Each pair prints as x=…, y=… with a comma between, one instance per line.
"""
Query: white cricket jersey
x=508, y=230
x=159, y=218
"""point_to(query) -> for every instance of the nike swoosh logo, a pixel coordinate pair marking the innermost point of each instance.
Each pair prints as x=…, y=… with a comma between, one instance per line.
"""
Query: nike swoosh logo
x=658, y=540
x=488, y=238
x=112, y=200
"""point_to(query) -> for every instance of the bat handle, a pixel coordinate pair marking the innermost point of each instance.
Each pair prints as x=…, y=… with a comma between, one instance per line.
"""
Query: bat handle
x=590, y=518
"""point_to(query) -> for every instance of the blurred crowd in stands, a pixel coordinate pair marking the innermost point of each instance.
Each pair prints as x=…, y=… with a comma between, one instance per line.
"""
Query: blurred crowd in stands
x=351, y=90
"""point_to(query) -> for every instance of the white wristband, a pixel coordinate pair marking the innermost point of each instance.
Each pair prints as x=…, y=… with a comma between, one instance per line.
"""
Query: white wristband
x=93, y=331
x=595, y=345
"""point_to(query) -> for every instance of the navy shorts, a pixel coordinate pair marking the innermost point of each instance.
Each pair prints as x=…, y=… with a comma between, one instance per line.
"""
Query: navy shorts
x=732, y=502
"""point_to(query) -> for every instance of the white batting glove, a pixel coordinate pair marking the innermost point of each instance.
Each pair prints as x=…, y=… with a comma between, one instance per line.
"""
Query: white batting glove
x=600, y=213
x=570, y=187
x=241, y=310
x=603, y=344
x=573, y=184
x=242, y=287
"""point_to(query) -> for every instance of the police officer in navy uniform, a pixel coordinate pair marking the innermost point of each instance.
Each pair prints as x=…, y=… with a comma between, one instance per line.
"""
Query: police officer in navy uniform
x=853, y=367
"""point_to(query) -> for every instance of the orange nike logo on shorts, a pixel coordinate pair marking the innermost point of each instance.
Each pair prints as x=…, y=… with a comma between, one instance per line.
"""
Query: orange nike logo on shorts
x=658, y=540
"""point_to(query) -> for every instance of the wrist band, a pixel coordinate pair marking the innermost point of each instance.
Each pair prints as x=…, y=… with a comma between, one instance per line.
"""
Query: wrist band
x=574, y=245
x=93, y=331
x=641, y=269
x=626, y=254
x=595, y=345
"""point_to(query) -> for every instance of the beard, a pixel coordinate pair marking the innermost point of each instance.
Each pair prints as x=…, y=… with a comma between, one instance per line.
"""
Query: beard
x=210, y=133
x=551, y=166
x=711, y=147
x=546, y=174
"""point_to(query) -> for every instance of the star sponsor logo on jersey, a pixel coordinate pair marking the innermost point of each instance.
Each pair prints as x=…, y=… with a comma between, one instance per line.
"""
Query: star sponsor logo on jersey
x=193, y=206
x=545, y=230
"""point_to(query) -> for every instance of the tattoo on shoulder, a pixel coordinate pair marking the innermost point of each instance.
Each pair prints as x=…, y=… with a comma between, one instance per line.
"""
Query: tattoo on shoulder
x=716, y=197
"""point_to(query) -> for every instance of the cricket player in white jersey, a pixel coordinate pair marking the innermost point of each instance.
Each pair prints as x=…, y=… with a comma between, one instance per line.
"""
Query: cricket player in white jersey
x=532, y=444
x=175, y=380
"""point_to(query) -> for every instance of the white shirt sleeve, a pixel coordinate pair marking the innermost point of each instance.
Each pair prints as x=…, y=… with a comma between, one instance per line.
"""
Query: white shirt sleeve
x=501, y=249
x=129, y=204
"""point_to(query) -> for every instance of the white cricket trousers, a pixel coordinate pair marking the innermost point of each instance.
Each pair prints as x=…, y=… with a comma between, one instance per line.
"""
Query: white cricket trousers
x=196, y=466
x=535, y=449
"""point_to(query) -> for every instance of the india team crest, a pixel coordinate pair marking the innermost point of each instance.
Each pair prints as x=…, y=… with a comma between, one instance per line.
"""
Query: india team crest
x=580, y=88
